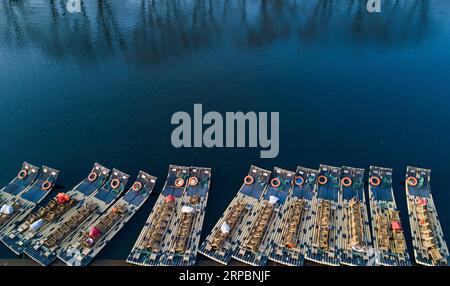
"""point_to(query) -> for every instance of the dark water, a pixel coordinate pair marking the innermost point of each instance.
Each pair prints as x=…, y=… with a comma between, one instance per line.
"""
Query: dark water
x=352, y=88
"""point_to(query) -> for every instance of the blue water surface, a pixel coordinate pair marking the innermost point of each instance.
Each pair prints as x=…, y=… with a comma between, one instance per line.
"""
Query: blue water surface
x=352, y=88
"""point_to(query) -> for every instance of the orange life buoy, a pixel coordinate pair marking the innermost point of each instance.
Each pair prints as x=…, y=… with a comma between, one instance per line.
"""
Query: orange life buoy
x=22, y=174
x=92, y=176
x=298, y=180
x=193, y=181
x=248, y=180
x=322, y=180
x=346, y=182
x=179, y=182
x=137, y=186
x=46, y=185
x=115, y=183
x=275, y=182
x=411, y=181
x=374, y=181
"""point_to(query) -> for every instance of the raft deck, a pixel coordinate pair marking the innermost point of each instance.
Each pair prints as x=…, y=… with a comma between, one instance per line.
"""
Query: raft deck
x=43, y=248
x=182, y=243
x=24, y=203
x=84, y=246
x=429, y=245
x=326, y=218
x=23, y=180
x=220, y=243
x=356, y=240
x=50, y=216
x=252, y=245
x=290, y=238
x=389, y=240
x=148, y=249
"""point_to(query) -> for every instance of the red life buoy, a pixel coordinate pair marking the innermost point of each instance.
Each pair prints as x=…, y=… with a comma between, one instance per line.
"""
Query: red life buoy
x=115, y=183
x=275, y=182
x=374, y=181
x=411, y=181
x=298, y=180
x=193, y=181
x=46, y=185
x=92, y=176
x=22, y=174
x=346, y=182
x=179, y=182
x=137, y=186
x=322, y=180
x=248, y=180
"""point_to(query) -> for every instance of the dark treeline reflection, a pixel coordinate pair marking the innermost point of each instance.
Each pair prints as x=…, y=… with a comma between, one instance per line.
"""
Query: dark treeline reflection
x=152, y=31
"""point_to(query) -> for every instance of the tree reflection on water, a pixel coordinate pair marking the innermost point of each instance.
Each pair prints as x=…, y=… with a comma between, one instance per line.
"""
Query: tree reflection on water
x=152, y=31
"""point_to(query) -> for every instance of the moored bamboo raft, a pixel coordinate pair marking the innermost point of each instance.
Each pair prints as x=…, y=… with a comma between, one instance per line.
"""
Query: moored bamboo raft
x=290, y=239
x=18, y=206
x=252, y=243
x=326, y=218
x=152, y=241
x=356, y=240
x=82, y=248
x=388, y=237
x=220, y=243
x=43, y=248
x=429, y=245
x=16, y=237
x=180, y=248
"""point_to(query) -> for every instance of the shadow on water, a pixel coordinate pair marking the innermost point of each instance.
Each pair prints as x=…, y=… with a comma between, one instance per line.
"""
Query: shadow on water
x=168, y=29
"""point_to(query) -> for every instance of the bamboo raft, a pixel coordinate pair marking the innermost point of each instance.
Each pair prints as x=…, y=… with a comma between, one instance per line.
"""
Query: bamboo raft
x=290, y=239
x=389, y=240
x=82, y=248
x=42, y=248
x=326, y=218
x=252, y=245
x=51, y=215
x=182, y=244
x=23, y=202
x=147, y=250
x=221, y=242
x=172, y=232
x=429, y=245
x=356, y=240
x=24, y=178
